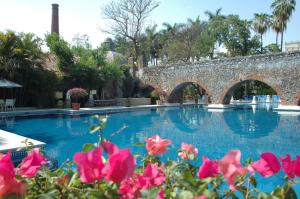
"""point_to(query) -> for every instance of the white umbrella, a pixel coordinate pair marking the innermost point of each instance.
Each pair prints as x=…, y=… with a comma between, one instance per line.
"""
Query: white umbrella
x=4, y=83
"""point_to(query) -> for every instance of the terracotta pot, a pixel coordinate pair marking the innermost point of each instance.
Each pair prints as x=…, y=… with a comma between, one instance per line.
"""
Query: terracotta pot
x=75, y=106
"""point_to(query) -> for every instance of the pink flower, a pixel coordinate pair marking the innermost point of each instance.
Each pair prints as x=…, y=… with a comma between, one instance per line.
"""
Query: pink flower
x=90, y=165
x=32, y=163
x=231, y=167
x=152, y=176
x=188, y=151
x=201, y=197
x=288, y=166
x=161, y=194
x=155, y=145
x=130, y=188
x=209, y=168
x=291, y=167
x=110, y=148
x=267, y=165
x=297, y=166
x=120, y=166
x=8, y=182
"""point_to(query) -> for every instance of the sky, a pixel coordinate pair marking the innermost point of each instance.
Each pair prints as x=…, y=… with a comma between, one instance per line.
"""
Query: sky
x=85, y=17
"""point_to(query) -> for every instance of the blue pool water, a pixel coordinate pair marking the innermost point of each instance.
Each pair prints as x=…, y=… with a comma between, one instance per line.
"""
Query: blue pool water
x=251, y=129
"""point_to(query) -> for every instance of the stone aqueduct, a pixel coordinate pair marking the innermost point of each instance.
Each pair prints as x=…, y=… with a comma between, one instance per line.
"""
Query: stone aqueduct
x=219, y=78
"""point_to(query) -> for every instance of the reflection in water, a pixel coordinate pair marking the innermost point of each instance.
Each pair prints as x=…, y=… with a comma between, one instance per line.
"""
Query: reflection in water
x=250, y=125
x=191, y=118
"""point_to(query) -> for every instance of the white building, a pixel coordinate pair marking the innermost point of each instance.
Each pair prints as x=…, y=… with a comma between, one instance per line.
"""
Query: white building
x=292, y=46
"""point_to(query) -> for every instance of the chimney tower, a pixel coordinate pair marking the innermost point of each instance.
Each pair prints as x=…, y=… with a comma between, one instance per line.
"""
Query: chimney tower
x=55, y=19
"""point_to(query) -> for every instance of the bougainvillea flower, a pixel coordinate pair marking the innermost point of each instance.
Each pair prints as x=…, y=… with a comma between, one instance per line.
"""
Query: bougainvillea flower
x=120, y=166
x=31, y=164
x=209, y=168
x=8, y=182
x=156, y=145
x=297, y=166
x=267, y=165
x=130, y=188
x=231, y=167
x=201, y=197
x=288, y=166
x=161, y=194
x=188, y=151
x=90, y=165
x=152, y=176
x=110, y=148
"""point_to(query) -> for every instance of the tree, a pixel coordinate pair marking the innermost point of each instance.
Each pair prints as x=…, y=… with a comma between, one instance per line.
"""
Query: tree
x=237, y=37
x=283, y=10
x=261, y=24
x=128, y=19
x=276, y=26
x=216, y=27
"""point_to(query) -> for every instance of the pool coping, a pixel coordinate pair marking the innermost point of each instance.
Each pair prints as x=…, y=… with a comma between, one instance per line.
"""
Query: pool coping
x=100, y=110
x=12, y=142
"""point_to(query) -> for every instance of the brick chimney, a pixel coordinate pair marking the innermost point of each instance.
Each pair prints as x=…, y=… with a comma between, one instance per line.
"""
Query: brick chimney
x=55, y=19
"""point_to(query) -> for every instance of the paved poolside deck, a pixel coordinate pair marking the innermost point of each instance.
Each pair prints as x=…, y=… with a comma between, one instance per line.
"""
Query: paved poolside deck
x=10, y=141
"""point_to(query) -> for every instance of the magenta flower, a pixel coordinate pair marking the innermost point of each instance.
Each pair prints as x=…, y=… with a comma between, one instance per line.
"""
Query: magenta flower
x=120, y=166
x=8, y=182
x=152, y=176
x=161, y=194
x=291, y=167
x=231, y=167
x=209, y=168
x=90, y=165
x=267, y=165
x=32, y=163
x=156, y=145
x=188, y=151
x=130, y=188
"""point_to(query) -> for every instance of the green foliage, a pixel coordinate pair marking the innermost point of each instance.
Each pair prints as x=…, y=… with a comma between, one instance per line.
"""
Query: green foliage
x=237, y=37
x=22, y=60
x=272, y=48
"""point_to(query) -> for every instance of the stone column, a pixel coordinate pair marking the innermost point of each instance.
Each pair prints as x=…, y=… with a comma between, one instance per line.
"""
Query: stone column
x=55, y=19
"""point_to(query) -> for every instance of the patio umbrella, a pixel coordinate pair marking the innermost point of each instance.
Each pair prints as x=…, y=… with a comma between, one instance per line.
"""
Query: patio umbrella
x=4, y=83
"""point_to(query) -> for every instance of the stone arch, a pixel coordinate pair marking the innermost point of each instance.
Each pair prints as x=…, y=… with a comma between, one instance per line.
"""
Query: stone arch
x=236, y=83
x=160, y=92
x=181, y=84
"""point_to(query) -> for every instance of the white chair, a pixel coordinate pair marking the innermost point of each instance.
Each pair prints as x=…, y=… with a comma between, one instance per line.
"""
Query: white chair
x=10, y=104
x=2, y=105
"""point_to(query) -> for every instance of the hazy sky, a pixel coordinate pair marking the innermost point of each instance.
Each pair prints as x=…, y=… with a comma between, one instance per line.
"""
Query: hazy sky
x=84, y=16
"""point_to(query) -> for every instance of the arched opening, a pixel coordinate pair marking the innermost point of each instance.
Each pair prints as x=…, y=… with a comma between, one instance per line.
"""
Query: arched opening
x=245, y=90
x=187, y=92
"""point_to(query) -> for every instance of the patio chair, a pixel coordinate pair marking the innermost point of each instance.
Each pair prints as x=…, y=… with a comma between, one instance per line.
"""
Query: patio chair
x=2, y=104
x=9, y=104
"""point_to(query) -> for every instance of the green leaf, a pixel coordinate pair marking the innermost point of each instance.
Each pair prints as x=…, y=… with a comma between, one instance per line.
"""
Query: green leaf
x=88, y=147
x=253, y=181
x=291, y=194
x=186, y=194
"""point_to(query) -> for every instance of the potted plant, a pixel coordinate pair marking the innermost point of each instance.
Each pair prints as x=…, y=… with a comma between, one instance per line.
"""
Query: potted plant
x=77, y=94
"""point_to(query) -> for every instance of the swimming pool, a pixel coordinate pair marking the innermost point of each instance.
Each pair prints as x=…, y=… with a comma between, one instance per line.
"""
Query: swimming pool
x=214, y=132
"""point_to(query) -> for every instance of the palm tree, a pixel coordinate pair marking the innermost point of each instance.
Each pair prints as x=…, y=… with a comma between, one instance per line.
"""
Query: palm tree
x=261, y=24
x=276, y=26
x=212, y=16
x=283, y=10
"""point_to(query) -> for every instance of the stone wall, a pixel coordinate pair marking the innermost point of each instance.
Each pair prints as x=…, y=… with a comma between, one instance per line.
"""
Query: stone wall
x=218, y=77
x=133, y=101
